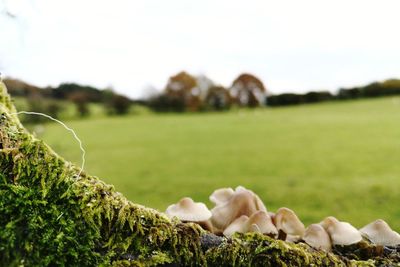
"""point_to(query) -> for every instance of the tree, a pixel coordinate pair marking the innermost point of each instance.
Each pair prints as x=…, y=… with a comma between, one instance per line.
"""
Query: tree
x=81, y=102
x=19, y=88
x=119, y=104
x=67, y=91
x=217, y=98
x=166, y=103
x=115, y=103
x=183, y=87
x=248, y=91
x=54, y=109
x=36, y=103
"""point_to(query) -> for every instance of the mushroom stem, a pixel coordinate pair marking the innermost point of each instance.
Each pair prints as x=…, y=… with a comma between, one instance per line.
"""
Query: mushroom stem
x=207, y=225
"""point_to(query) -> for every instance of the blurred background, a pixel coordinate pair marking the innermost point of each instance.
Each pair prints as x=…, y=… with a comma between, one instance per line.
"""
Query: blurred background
x=297, y=100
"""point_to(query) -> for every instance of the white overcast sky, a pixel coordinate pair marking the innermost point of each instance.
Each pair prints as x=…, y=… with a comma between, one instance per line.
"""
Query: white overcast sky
x=132, y=45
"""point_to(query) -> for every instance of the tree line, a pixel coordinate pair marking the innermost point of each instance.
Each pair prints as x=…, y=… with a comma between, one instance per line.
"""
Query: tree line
x=184, y=92
x=49, y=99
x=376, y=89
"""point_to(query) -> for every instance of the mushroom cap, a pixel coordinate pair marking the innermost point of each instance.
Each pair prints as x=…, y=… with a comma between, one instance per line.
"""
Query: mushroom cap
x=187, y=210
x=259, y=203
x=287, y=221
x=380, y=233
x=261, y=222
x=316, y=236
x=341, y=233
x=328, y=221
x=241, y=203
x=221, y=195
x=239, y=225
x=240, y=188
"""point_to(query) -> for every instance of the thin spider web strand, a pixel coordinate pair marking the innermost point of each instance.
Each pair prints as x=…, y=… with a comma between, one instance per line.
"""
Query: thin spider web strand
x=66, y=127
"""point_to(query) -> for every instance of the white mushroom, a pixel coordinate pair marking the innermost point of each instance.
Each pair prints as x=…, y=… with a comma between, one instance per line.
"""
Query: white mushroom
x=207, y=225
x=380, y=233
x=287, y=223
x=293, y=238
x=254, y=228
x=221, y=196
x=187, y=210
x=341, y=233
x=242, y=202
x=316, y=236
x=272, y=215
x=259, y=204
x=261, y=222
x=239, y=225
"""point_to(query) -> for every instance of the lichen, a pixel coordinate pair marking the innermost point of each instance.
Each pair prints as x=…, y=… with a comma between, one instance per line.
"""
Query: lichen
x=51, y=217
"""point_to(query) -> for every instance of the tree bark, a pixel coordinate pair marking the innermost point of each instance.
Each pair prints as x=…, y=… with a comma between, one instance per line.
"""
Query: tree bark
x=51, y=217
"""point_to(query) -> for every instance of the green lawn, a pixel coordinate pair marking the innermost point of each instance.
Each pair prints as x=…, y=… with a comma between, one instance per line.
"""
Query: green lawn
x=340, y=159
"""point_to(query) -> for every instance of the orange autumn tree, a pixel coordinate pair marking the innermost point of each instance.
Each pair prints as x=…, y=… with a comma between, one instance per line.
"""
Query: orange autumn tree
x=248, y=91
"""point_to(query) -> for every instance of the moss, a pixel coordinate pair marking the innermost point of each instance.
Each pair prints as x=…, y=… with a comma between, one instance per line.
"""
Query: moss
x=253, y=249
x=51, y=217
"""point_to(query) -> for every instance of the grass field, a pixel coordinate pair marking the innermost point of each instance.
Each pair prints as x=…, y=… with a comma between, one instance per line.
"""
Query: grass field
x=340, y=159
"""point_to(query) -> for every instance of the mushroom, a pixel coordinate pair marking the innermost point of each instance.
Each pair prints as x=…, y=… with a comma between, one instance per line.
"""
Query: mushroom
x=293, y=238
x=341, y=233
x=254, y=228
x=239, y=204
x=316, y=236
x=261, y=222
x=221, y=195
x=380, y=233
x=287, y=223
x=259, y=204
x=242, y=202
x=187, y=210
x=272, y=215
x=239, y=225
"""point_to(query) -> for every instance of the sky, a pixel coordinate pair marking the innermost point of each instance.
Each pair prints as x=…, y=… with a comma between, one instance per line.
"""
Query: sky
x=134, y=46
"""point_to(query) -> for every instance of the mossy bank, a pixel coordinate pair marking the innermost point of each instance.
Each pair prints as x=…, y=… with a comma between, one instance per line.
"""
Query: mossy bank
x=50, y=216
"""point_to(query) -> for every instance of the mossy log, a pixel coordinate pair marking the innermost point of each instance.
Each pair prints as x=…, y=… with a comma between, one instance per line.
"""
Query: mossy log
x=51, y=217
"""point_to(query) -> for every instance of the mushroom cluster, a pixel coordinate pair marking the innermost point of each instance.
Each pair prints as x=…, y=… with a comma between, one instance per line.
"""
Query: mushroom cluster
x=242, y=211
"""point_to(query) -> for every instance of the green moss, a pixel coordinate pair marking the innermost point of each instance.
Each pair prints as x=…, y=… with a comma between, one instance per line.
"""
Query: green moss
x=257, y=250
x=51, y=217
